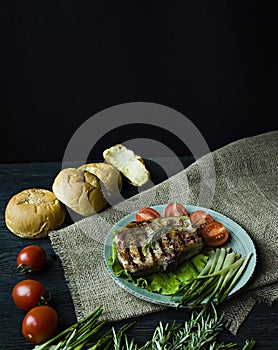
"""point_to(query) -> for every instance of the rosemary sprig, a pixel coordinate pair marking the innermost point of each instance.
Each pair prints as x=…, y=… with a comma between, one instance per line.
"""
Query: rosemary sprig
x=249, y=344
x=200, y=332
x=121, y=340
x=155, y=235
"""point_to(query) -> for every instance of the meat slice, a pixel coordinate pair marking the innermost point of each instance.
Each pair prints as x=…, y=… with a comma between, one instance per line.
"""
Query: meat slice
x=158, y=244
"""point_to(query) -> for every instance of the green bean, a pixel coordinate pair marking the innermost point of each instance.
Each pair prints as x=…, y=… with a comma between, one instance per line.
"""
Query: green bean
x=215, y=282
x=237, y=276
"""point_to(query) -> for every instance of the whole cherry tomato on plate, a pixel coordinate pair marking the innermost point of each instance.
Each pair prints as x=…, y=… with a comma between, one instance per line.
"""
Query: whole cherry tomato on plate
x=200, y=217
x=214, y=234
x=175, y=209
x=40, y=324
x=146, y=214
x=31, y=259
x=29, y=293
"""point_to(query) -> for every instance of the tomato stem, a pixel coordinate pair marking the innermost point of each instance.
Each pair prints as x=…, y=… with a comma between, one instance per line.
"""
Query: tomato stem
x=24, y=268
x=44, y=300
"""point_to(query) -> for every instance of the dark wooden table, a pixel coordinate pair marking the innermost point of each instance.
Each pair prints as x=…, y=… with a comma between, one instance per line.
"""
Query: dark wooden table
x=261, y=324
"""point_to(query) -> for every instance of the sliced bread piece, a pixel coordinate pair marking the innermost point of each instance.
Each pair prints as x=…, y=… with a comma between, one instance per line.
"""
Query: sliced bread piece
x=128, y=163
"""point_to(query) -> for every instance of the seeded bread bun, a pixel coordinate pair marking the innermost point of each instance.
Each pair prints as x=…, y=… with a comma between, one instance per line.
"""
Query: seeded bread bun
x=108, y=175
x=34, y=212
x=79, y=190
x=128, y=163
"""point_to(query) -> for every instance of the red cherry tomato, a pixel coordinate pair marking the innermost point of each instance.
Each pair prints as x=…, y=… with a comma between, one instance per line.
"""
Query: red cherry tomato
x=40, y=324
x=175, y=209
x=200, y=217
x=146, y=214
x=28, y=293
x=214, y=234
x=31, y=259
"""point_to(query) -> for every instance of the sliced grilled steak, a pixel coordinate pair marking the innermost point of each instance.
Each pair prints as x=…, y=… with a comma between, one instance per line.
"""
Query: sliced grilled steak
x=158, y=244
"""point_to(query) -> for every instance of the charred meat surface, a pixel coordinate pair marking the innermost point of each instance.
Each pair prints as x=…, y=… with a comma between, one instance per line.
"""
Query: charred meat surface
x=158, y=244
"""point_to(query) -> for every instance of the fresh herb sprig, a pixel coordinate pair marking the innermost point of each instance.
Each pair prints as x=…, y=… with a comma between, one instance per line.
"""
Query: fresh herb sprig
x=200, y=332
x=83, y=335
x=75, y=335
x=156, y=235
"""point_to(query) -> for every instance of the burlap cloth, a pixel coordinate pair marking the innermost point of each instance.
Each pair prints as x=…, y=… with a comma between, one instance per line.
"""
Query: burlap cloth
x=241, y=182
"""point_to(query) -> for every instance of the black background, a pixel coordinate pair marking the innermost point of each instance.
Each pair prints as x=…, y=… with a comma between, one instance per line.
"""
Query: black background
x=63, y=61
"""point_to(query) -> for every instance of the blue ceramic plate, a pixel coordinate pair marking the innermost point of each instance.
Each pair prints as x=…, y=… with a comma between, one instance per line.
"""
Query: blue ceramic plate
x=239, y=241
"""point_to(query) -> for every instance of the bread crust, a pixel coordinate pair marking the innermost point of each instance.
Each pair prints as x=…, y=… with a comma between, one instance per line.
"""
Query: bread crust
x=32, y=213
x=79, y=190
x=108, y=175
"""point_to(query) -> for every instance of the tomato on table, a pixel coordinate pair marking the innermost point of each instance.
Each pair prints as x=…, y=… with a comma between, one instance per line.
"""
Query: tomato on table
x=175, y=209
x=146, y=214
x=31, y=259
x=40, y=324
x=214, y=234
x=200, y=217
x=29, y=293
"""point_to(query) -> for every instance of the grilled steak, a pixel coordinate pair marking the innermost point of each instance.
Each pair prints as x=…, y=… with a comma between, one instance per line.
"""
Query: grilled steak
x=158, y=244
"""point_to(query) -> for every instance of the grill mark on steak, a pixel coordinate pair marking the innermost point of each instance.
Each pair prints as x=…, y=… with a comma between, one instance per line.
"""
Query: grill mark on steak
x=128, y=257
x=161, y=245
x=142, y=256
x=152, y=252
x=182, y=238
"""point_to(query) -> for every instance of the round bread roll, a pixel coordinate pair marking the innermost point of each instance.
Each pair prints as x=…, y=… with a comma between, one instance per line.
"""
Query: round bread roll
x=80, y=191
x=108, y=175
x=32, y=213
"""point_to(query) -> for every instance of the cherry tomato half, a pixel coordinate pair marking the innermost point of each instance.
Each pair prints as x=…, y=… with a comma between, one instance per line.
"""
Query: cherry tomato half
x=146, y=214
x=214, y=234
x=40, y=324
x=31, y=259
x=28, y=294
x=200, y=217
x=175, y=209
